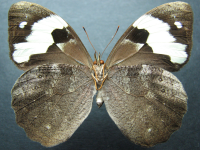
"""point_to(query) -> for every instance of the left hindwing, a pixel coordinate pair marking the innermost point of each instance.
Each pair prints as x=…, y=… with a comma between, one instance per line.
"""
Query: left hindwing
x=39, y=36
x=51, y=101
x=161, y=37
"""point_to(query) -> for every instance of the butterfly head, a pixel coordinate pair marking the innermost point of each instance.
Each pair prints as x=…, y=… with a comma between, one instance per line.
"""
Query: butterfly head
x=98, y=60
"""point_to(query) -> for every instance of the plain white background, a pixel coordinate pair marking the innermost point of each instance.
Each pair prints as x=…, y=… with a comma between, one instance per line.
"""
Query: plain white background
x=100, y=18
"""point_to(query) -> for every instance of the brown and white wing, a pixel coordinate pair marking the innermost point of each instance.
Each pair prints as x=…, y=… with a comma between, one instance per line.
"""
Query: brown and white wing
x=147, y=103
x=51, y=101
x=161, y=37
x=39, y=36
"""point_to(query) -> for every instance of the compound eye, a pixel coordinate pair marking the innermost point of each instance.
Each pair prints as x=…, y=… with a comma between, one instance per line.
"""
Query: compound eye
x=94, y=63
x=101, y=62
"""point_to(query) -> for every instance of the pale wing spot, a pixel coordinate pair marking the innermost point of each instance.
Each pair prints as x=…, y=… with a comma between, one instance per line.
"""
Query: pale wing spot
x=22, y=24
x=149, y=130
x=178, y=24
x=48, y=126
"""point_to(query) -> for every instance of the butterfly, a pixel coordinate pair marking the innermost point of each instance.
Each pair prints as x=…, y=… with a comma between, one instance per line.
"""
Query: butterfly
x=54, y=96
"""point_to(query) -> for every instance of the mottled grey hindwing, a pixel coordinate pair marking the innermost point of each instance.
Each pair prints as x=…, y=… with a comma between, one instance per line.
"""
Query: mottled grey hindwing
x=147, y=103
x=51, y=101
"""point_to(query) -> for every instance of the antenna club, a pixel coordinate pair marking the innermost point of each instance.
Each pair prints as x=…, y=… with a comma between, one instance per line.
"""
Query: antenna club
x=118, y=28
x=89, y=39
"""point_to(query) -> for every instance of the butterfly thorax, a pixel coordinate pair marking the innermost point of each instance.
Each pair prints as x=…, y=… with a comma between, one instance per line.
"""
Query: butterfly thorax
x=99, y=75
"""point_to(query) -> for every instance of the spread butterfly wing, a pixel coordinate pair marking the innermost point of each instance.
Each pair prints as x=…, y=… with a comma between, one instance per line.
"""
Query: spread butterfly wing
x=39, y=36
x=161, y=37
x=147, y=103
x=51, y=101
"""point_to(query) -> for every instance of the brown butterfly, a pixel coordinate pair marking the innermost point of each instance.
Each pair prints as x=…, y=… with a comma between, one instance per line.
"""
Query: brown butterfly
x=54, y=96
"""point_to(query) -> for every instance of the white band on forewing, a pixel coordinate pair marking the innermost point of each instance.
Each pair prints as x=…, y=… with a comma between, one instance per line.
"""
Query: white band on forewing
x=40, y=38
x=160, y=39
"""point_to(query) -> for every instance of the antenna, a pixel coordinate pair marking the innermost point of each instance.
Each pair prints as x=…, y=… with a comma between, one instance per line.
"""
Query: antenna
x=89, y=40
x=110, y=40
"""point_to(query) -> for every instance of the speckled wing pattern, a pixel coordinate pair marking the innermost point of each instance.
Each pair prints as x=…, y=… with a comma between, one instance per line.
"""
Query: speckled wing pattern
x=147, y=103
x=54, y=96
x=51, y=101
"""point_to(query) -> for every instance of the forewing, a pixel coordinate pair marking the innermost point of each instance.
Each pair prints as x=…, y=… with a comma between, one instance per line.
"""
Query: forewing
x=147, y=103
x=39, y=36
x=51, y=101
x=161, y=37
